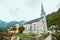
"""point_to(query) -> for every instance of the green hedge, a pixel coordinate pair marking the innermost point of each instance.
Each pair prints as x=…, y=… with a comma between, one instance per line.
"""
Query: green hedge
x=24, y=35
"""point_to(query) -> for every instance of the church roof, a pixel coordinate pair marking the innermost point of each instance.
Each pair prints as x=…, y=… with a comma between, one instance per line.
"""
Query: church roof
x=32, y=21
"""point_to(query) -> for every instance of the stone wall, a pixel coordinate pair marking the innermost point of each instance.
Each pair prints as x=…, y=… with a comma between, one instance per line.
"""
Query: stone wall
x=22, y=38
x=31, y=38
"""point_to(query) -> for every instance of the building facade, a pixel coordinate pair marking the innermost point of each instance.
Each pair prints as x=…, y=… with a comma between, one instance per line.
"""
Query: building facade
x=38, y=25
x=14, y=29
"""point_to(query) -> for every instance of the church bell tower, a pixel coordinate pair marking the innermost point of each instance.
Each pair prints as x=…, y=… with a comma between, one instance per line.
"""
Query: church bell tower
x=43, y=16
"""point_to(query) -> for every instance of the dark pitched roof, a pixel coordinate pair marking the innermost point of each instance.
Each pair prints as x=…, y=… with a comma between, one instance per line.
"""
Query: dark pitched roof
x=32, y=21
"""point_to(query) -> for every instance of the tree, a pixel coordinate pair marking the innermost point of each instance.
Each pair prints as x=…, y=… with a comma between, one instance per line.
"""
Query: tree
x=54, y=19
x=21, y=29
x=3, y=30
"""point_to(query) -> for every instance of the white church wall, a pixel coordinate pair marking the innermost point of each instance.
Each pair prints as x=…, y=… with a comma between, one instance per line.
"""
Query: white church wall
x=45, y=23
x=38, y=28
x=27, y=28
x=34, y=26
x=41, y=25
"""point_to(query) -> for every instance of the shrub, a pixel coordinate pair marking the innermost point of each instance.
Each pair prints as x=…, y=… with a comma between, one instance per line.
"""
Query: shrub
x=44, y=35
x=21, y=29
x=57, y=35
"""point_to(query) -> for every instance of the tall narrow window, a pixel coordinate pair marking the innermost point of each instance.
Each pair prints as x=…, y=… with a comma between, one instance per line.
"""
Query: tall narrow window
x=31, y=28
x=34, y=27
x=26, y=27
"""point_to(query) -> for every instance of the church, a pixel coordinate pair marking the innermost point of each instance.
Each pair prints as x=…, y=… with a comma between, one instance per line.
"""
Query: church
x=38, y=25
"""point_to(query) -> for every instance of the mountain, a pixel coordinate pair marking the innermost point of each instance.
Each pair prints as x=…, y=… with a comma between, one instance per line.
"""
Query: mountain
x=6, y=25
x=9, y=24
x=21, y=22
x=2, y=24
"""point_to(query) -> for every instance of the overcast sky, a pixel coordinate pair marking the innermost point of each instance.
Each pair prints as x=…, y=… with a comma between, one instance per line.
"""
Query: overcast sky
x=18, y=10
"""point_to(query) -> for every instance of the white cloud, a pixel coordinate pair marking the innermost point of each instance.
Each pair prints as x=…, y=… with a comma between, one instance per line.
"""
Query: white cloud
x=24, y=9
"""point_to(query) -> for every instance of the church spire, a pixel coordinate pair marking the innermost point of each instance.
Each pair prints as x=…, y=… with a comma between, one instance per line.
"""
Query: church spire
x=42, y=10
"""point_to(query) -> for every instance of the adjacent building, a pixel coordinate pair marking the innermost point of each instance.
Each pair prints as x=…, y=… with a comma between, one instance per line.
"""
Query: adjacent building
x=14, y=29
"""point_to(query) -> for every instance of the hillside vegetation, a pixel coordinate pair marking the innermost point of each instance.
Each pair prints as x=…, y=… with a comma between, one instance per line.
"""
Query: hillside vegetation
x=54, y=19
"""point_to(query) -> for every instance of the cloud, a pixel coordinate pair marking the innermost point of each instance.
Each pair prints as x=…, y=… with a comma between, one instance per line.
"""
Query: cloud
x=24, y=9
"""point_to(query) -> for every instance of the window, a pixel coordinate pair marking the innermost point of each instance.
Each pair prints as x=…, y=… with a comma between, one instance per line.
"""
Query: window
x=34, y=27
x=25, y=27
x=31, y=28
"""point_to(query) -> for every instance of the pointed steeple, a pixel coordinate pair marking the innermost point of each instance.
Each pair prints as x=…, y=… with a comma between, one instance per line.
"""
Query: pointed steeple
x=42, y=10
